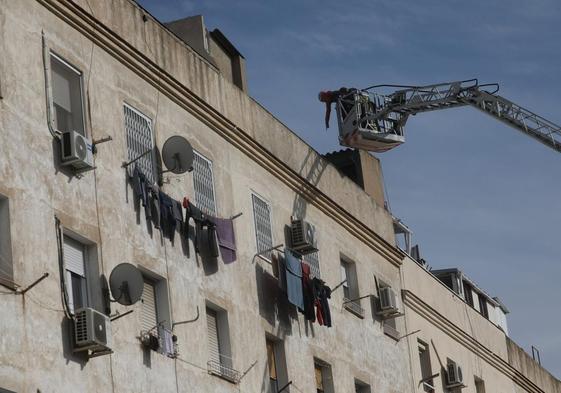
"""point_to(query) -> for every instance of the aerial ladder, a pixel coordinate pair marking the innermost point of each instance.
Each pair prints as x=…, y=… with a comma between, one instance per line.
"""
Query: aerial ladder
x=373, y=121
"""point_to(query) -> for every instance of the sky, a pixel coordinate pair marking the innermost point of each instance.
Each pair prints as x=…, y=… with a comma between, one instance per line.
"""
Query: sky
x=477, y=194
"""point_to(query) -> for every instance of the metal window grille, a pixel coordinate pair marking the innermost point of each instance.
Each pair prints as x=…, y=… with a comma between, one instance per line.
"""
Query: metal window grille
x=263, y=230
x=203, y=181
x=140, y=139
x=313, y=260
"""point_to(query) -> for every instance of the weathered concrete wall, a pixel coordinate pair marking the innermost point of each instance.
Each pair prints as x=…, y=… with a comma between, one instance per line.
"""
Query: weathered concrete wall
x=35, y=352
x=520, y=360
x=455, y=330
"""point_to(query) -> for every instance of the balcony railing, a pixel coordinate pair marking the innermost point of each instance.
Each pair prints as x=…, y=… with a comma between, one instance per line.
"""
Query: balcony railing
x=354, y=307
x=223, y=371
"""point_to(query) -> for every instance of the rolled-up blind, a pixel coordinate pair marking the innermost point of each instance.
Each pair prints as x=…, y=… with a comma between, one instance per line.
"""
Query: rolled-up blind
x=149, y=315
x=74, y=256
x=213, y=343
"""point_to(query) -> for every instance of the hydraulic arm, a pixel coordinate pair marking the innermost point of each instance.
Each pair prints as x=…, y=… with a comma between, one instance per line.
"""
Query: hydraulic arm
x=373, y=121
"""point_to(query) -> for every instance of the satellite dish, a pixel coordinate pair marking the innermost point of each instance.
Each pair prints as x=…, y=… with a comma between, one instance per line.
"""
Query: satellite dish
x=126, y=284
x=177, y=154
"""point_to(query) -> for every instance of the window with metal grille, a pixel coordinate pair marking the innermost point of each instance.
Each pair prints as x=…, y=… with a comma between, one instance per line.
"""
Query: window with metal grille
x=203, y=182
x=263, y=229
x=75, y=274
x=313, y=260
x=140, y=139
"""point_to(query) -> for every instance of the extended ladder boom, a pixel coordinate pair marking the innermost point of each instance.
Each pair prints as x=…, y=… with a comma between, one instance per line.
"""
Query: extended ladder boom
x=374, y=121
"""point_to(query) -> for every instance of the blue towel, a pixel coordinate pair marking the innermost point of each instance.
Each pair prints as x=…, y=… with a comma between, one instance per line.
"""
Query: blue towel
x=294, y=280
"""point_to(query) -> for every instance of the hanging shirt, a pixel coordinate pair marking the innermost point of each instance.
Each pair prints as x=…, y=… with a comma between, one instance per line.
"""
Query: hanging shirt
x=294, y=280
x=226, y=238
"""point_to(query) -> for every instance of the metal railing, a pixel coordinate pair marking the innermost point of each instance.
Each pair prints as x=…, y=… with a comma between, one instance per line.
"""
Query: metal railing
x=222, y=368
x=354, y=307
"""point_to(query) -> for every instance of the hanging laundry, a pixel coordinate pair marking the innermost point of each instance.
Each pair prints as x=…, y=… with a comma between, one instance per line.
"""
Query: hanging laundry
x=205, y=230
x=308, y=292
x=168, y=218
x=226, y=238
x=321, y=293
x=153, y=208
x=294, y=279
x=140, y=187
x=167, y=345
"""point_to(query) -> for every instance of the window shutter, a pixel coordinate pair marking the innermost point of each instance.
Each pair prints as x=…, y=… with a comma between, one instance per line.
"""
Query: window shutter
x=138, y=130
x=263, y=231
x=74, y=256
x=203, y=182
x=213, y=343
x=149, y=316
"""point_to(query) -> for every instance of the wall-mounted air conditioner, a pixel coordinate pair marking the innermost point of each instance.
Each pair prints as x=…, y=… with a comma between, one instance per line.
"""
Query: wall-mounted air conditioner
x=303, y=237
x=76, y=150
x=92, y=330
x=454, y=377
x=388, y=301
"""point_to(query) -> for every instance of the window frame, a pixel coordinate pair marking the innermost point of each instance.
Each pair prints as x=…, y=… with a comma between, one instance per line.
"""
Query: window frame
x=211, y=169
x=161, y=295
x=269, y=255
x=69, y=275
x=6, y=250
x=222, y=366
x=351, y=289
x=50, y=94
x=326, y=373
x=423, y=350
x=151, y=155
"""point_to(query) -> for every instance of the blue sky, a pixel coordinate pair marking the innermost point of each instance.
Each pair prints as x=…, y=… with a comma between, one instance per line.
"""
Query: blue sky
x=477, y=194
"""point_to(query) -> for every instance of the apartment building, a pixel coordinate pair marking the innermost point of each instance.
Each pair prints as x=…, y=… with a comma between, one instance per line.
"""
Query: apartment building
x=89, y=94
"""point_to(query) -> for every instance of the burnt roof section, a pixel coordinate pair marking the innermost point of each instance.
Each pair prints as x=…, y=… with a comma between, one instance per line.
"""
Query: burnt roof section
x=225, y=43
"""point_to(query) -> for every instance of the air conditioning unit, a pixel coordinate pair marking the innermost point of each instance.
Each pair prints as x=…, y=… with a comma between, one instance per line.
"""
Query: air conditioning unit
x=388, y=301
x=454, y=377
x=92, y=330
x=76, y=150
x=303, y=237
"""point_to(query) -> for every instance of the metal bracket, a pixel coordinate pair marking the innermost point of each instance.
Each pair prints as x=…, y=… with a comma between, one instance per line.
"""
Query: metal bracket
x=45, y=275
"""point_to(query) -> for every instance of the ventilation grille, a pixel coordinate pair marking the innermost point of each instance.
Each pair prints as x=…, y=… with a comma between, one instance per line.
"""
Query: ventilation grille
x=81, y=326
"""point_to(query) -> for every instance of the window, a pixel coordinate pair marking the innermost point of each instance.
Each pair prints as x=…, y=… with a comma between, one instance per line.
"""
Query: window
x=276, y=364
x=6, y=264
x=149, y=311
x=479, y=385
x=219, y=348
x=263, y=230
x=361, y=387
x=483, y=306
x=140, y=139
x=426, y=370
x=66, y=96
x=75, y=260
x=154, y=312
x=350, y=288
x=313, y=260
x=203, y=182
x=468, y=294
x=324, y=379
